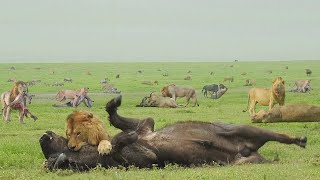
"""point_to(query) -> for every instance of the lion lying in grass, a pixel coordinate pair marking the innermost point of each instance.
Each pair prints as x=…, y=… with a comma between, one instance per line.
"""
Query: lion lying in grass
x=83, y=128
x=266, y=97
x=289, y=113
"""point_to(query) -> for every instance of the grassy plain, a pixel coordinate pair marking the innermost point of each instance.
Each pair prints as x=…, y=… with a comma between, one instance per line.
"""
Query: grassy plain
x=21, y=156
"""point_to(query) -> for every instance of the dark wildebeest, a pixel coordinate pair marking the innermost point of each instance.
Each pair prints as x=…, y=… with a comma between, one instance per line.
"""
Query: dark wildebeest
x=184, y=143
x=302, y=86
x=67, y=80
x=308, y=72
x=117, y=76
x=58, y=84
x=219, y=93
x=76, y=102
x=188, y=78
x=212, y=87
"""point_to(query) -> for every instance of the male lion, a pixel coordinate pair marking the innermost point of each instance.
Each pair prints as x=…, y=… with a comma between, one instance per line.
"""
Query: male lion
x=83, y=128
x=71, y=94
x=266, y=97
x=174, y=91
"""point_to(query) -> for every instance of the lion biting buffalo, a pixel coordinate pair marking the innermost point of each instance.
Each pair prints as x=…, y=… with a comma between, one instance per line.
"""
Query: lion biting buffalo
x=185, y=143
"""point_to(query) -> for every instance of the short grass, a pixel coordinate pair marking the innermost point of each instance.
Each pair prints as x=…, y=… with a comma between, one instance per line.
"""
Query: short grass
x=21, y=156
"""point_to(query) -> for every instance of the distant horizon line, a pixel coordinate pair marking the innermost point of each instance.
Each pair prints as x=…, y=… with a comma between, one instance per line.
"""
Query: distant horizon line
x=146, y=61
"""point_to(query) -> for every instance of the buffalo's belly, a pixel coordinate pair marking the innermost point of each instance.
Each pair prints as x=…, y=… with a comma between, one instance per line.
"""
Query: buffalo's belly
x=197, y=145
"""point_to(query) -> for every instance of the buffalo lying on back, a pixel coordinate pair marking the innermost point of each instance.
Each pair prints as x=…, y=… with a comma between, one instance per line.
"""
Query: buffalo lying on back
x=186, y=143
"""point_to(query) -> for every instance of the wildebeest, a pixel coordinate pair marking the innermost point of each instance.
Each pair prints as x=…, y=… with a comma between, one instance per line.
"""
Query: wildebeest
x=78, y=99
x=250, y=82
x=212, y=73
x=104, y=81
x=187, y=78
x=244, y=73
x=11, y=80
x=67, y=80
x=58, y=84
x=269, y=71
x=184, y=143
x=165, y=74
x=302, y=86
x=174, y=91
x=230, y=79
x=212, y=87
x=288, y=113
x=308, y=72
x=219, y=93
x=150, y=82
x=109, y=88
x=117, y=76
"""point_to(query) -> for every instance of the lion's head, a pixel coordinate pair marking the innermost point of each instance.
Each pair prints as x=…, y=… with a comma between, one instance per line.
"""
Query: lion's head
x=84, y=128
x=84, y=91
x=165, y=91
x=18, y=88
x=278, y=87
x=261, y=115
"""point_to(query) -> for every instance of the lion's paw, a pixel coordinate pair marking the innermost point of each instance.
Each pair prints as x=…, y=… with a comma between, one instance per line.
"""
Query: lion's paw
x=104, y=147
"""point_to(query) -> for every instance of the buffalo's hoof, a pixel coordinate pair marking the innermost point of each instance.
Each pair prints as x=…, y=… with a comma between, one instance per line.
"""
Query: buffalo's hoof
x=303, y=142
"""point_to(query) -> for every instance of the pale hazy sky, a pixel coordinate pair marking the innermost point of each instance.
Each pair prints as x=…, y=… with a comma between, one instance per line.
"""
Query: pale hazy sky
x=158, y=30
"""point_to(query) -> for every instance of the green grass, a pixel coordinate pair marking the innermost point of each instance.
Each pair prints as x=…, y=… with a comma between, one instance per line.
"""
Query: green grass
x=20, y=152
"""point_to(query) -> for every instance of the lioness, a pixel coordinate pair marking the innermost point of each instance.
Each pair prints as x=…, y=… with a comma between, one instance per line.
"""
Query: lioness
x=174, y=91
x=266, y=97
x=83, y=128
x=288, y=113
x=162, y=102
x=71, y=94
x=19, y=89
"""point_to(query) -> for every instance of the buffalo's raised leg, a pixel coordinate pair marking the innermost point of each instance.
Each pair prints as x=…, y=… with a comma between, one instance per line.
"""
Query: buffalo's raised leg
x=255, y=137
x=140, y=126
x=123, y=139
